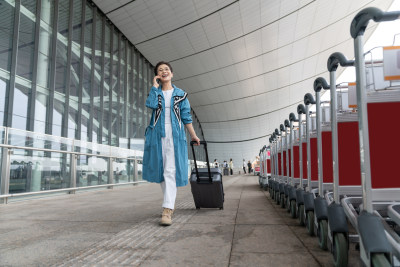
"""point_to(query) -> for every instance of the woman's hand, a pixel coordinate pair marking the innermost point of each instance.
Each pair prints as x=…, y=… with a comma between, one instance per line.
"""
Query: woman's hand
x=196, y=139
x=155, y=81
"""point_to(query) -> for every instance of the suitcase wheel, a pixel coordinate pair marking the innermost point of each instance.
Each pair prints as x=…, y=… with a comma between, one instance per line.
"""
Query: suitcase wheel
x=197, y=208
x=221, y=208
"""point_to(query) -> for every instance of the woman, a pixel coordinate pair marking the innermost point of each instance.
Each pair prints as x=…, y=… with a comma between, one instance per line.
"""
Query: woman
x=231, y=166
x=165, y=153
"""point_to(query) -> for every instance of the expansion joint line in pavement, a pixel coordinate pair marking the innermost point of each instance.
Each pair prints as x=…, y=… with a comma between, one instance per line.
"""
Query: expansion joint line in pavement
x=234, y=226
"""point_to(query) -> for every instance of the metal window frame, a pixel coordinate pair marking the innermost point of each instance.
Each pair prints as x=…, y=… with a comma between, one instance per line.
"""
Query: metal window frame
x=82, y=57
x=92, y=69
x=101, y=115
x=9, y=105
x=50, y=104
x=32, y=98
x=64, y=129
x=109, y=122
x=118, y=84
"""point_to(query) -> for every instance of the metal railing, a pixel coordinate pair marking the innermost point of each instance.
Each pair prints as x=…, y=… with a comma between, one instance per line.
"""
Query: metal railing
x=34, y=164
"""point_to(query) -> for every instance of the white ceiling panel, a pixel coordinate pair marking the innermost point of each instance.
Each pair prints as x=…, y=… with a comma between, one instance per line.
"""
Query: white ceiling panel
x=305, y=17
x=214, y=29
x=180, y=41
x=231, y=22
x=238, y=49
x=223, y=55
x=197, y=36
x=269, y=11
x=289, y=6
x=250, y=15
x=243, y=70
x=253, y=43
x=245, y=66
x=286, y=29
x=270, y=61
x=269, y=35
x=230, y=74
x=205, y=7
x=259, y=84
x=207, y=58
x=184, y=11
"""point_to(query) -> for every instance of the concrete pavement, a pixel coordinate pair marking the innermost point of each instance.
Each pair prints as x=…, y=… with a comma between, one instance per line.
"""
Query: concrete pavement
x=119, y=227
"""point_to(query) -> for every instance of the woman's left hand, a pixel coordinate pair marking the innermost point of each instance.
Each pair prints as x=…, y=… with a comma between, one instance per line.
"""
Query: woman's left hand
x=196, y=139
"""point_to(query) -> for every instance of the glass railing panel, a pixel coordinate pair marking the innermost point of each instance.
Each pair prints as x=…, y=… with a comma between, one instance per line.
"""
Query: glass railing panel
x=33, y=171
x=124, y=170
x=91, y=170
x=2, y=134
x=23, y=138
x=91, y=148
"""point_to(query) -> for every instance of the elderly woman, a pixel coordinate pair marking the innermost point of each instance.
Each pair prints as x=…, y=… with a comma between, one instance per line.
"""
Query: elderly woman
x=165, y=153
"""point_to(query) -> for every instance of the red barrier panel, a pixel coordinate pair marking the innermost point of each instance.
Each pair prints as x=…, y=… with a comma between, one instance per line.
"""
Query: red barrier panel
x=327, y=159
x=349, y=153
x=304, y=152
x=314, y=159
x=296, y=161
x=384, y=144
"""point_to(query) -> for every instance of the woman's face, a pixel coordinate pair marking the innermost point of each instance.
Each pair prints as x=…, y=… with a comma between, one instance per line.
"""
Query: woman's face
x=165, y=73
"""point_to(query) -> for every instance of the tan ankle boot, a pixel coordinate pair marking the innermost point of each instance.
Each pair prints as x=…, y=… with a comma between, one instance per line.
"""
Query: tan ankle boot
x=166, y=217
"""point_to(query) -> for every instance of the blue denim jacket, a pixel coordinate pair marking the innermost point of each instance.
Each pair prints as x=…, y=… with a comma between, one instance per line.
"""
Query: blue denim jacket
x=180, y=115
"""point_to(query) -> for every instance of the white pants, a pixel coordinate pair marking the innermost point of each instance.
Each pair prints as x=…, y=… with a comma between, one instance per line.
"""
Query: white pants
x=169, y=185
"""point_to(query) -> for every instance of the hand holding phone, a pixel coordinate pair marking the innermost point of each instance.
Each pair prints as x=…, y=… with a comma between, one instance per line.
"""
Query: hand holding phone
x=156, y=81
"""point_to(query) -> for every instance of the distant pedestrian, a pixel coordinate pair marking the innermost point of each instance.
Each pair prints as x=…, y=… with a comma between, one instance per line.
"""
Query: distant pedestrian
x=231, y=166
x=216, y=164
x=249, y=166
x=244, y=166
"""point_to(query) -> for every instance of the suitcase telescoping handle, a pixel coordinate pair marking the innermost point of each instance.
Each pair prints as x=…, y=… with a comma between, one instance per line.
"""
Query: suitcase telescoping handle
x=204, y=143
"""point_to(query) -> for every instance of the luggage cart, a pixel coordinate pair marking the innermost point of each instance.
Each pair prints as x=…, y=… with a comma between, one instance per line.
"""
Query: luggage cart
x=285, y=181
x=294, y=166
x=325, y=166
x=288, y=185
x=299, y=211
x=374, y=111
x=346, y=178
x=312, y=167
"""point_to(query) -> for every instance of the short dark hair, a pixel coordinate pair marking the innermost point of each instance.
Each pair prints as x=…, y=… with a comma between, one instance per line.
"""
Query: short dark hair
x=161, y=63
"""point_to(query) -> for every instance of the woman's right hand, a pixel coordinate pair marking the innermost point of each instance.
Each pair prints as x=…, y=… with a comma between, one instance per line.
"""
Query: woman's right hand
x=155, y=81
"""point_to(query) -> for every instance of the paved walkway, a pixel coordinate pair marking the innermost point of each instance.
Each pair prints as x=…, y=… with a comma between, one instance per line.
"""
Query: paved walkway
x=119, y=227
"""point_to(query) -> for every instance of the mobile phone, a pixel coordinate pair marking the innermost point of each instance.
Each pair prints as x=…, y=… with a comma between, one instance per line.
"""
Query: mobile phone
x=158, y=80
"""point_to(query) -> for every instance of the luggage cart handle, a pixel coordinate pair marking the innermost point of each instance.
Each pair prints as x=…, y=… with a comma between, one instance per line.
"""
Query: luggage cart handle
x=308, y=99
x=195, y=162
x=361, y=20
x=320, y=83
x=338, y=58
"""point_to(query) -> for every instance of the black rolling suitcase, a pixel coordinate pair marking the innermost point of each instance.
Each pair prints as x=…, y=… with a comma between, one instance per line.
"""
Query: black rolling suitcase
x=206, y=183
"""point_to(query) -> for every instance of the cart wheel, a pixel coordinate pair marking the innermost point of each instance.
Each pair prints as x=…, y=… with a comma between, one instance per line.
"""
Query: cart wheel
x=221, y=208
x=310, y=222
x=301, y=215
x=322, y=233
x=278, y=198
x=288, y=204
x=340, y=250
x=293, y=208
x=283, y=201
x=272, y=193
x=197, y=208
x=380, y=260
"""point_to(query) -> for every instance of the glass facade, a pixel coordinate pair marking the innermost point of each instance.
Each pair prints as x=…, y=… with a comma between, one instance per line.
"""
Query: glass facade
x=68, y=75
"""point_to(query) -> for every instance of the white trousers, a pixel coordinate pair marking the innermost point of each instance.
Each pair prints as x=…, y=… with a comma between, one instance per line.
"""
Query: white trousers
x=168, y=153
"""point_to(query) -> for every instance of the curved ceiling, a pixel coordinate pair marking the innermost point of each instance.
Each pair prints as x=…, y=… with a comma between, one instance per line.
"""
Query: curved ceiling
x=246, y=64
